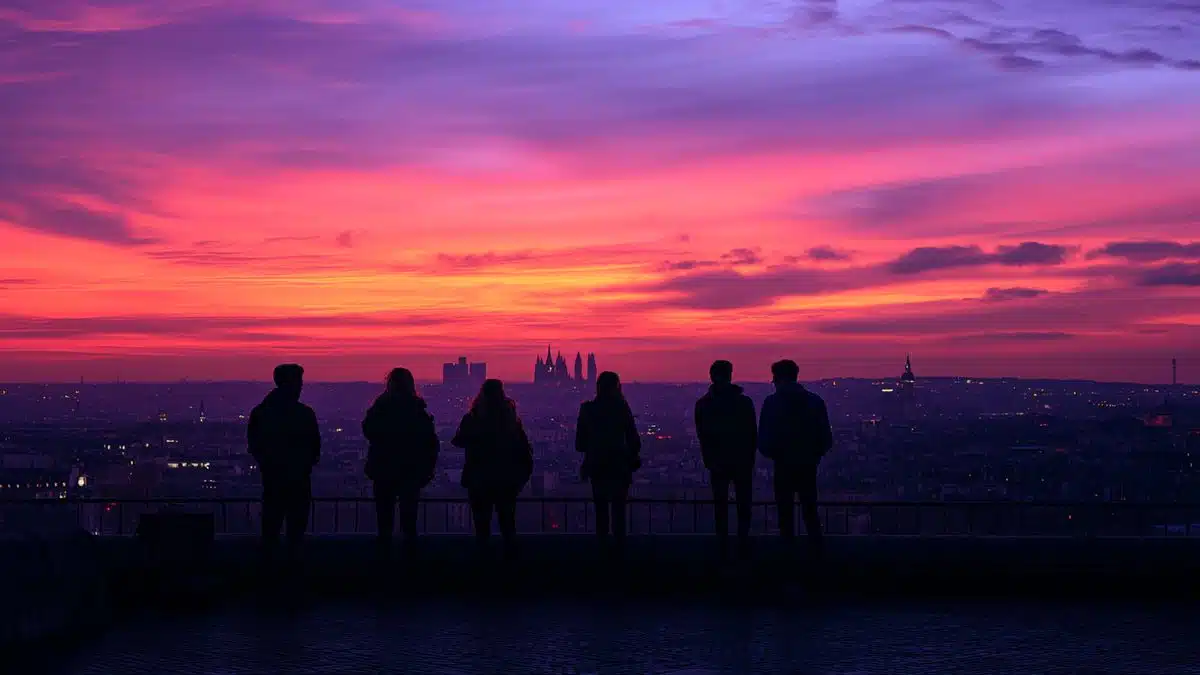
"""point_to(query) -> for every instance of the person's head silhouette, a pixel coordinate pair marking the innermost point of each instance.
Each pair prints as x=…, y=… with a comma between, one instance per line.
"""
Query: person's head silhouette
x=289, y=379
x=608, y=385
x=784, y=373
x=400, y=382
x=492, y=401
x=492, y=391
x=721, y=372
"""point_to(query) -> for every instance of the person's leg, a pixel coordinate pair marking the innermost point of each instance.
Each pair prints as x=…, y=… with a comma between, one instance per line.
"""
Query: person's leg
x=506, y=514
x=619, y=496
x=385, y=514
x=299, y=501
x=719, y=482
x=409, y=504
x=743, y=484
x=273, y=512
x=806, y=486
x=603, y=520
x=785, y=504
x=481, y=514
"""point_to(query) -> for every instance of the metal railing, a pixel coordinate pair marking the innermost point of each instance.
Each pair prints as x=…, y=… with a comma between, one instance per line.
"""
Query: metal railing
x=356, y=515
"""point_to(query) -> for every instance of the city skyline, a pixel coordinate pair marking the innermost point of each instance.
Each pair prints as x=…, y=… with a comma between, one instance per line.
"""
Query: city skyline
x=905, y=374
x=214, y=187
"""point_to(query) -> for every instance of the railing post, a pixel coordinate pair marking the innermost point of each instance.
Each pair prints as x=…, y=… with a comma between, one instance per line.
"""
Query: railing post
x=120, y=519
x=542, y=514
x=224, y=518
x=337, y=518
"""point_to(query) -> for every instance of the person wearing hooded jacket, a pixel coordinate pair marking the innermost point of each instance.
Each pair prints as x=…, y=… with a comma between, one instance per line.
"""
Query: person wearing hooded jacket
x=795, y=433
x=607, y=436
x=285, y=441
x=728, y=435
x=402, y=454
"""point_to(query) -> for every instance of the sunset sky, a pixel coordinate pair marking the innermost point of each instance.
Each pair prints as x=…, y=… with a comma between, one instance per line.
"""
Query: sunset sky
x=204, y=188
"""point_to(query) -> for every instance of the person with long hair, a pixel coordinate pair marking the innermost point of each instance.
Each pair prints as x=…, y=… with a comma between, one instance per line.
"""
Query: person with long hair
x=498, y=463
x=401, y=456
x=607, y=436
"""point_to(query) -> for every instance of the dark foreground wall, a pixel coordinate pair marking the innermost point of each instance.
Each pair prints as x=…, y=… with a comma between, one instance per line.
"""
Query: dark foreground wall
x=681, y=566
x=53, y=583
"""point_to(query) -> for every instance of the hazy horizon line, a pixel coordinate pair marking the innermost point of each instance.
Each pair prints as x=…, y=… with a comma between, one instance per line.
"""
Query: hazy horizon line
x=624, y=382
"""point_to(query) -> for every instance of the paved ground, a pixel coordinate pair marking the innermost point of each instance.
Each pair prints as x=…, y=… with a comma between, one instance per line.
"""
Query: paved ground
x=686, y=564
x=547, y=637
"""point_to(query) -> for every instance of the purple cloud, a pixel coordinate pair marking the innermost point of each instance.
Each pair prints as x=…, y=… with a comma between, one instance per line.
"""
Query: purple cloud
x=731, y=289
x=824, y=253
x=1079, y=312
x=685, y=265
x=36, y=193
x=1031, y=253
x=1024, y=336
x=1148, y=251
x=346, y=238
x=742, y=256
x=929, y=258
x=1175, y=274
x=1015, y=293
x=578, y=91
x=1012, y=46
x=28, y=327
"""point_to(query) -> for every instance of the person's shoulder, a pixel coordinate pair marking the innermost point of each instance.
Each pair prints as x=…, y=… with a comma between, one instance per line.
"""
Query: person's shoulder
x=814, y=397
x=307, y=410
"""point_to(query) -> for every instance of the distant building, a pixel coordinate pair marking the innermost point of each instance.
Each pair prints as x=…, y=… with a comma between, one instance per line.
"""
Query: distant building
x=901, y=398
x=34, y=483
x=592, y=371
x=458, y=373
x=553, y=370
x=477, y=374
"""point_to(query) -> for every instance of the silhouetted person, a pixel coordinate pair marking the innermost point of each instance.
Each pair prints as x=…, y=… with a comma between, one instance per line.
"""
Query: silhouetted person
x=401, y=456
x=728, y=435
x=607, y=436
x=794, y=431
x=285, y=441
x=498, y=462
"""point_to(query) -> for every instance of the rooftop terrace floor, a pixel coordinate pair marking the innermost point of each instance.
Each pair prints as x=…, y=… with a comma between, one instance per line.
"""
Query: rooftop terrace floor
x=547, y=636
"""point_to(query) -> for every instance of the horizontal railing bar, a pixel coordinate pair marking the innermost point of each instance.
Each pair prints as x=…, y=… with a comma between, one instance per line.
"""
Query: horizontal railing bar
x=631, y=500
